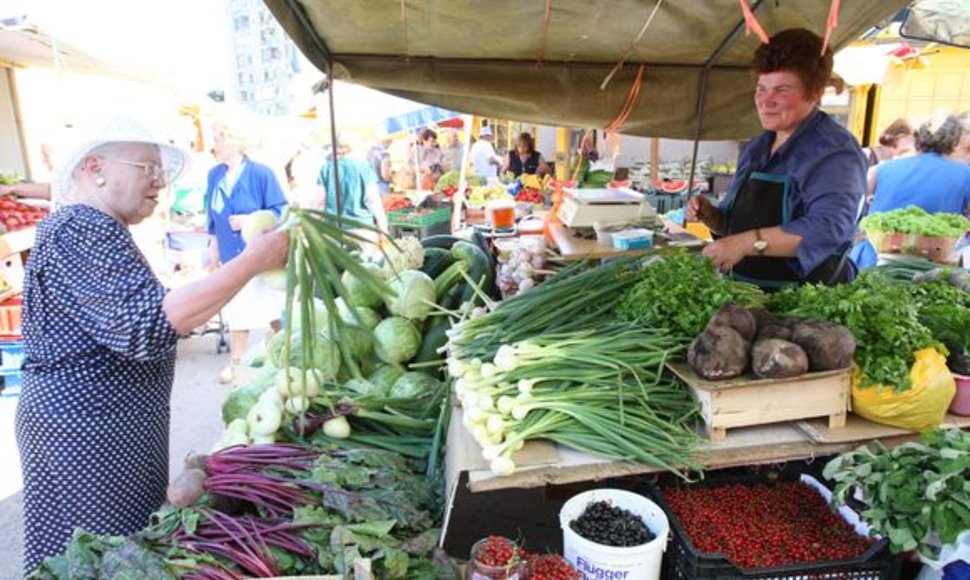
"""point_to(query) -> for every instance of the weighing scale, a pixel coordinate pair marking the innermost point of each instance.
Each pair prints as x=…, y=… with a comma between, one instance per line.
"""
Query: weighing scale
x=581, y=208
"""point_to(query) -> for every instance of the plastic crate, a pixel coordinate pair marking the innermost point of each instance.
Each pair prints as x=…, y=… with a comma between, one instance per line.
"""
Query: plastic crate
x=666, y=202
x=10, y=317
x=411, y=218
x=682, y=560
x=11, y=356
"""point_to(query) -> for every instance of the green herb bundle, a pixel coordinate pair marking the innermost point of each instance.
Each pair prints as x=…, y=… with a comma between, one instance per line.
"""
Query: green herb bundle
x=913, y=492
x=880, y=313
x=915, y=220
x=680, y=293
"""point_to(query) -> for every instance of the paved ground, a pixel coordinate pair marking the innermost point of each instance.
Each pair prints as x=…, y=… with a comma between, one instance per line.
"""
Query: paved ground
x=196, y=425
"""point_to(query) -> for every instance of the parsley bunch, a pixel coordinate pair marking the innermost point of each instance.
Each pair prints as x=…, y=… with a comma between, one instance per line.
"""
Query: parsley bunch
x=680, y=293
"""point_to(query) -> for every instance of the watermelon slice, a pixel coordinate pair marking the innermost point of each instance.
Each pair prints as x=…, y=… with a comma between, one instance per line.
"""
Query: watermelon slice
x=675, y=186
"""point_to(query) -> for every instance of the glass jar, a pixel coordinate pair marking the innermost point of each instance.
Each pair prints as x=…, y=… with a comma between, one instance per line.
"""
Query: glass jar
x=517, y=569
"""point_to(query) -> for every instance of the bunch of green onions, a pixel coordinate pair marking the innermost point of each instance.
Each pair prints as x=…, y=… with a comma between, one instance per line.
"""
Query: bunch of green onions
x=600, y=390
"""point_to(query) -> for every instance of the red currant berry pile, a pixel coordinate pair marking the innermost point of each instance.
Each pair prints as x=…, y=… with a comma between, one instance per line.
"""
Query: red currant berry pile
x=552, y=567
x=765, y=526
x=497, y=551
x=610, y=525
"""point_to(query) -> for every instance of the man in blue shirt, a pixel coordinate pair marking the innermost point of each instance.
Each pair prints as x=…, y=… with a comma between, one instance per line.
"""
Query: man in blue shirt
x=791, y=211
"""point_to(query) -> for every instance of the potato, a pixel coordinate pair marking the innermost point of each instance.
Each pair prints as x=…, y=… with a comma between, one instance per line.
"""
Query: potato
x=187, y=488
x=738, y=318
x=719, y=353
x=773, y=358
x=828, y=346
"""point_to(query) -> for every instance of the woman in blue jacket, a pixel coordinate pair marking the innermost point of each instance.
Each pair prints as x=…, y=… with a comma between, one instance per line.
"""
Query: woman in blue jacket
x=237, y=187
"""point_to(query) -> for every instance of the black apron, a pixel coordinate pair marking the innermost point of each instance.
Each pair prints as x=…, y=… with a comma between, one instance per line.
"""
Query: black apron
x=530, y=167
x=761, y=203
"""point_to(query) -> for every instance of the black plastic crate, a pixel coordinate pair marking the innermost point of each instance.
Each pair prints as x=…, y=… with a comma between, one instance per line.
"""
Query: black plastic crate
x=683, y=561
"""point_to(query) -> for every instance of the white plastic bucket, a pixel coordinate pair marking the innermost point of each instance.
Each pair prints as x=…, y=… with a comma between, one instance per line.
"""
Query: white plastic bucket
x=598, y=562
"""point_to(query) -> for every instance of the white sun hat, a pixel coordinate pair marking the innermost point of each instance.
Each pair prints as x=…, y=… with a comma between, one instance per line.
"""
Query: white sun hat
x=114, y=128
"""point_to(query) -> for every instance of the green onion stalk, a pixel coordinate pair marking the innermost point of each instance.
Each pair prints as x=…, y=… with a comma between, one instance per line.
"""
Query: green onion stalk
x=321, y=249
x=600, y=390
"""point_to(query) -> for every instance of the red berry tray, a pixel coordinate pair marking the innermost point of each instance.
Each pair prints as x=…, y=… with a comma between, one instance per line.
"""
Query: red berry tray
x=683, y=560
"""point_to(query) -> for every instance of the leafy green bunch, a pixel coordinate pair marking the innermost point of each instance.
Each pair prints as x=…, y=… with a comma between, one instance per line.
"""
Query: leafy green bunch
x=880, y=313
x=914, y=492
x=916, y=220
x=680, y=293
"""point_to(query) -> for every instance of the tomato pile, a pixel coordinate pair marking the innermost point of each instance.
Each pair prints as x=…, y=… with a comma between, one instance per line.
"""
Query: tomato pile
x=530, y=195
x=15, y=216
x=394, y=202
x=765, y=526
x=552, y=567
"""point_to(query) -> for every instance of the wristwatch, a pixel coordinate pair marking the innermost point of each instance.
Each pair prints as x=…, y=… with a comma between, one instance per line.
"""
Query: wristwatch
x=760, y=244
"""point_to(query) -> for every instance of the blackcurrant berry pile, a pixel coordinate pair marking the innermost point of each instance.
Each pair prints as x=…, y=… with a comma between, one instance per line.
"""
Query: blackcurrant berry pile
x=609, y=525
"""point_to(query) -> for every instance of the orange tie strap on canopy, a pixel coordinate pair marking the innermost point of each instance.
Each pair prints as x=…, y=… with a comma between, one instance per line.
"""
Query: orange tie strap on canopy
x=831, y=23
x=546, y=18
x=633, y=45
x=751, y=23
x=631, y=100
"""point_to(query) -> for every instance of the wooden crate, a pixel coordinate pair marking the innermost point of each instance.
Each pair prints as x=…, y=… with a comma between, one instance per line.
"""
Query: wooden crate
x=747, y=401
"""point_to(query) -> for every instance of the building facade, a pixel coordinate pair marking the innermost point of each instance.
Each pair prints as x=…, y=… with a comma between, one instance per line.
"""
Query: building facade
x=263, y=58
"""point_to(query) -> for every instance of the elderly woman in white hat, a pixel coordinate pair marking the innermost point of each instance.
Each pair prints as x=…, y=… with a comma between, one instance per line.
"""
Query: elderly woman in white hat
x=100, y=333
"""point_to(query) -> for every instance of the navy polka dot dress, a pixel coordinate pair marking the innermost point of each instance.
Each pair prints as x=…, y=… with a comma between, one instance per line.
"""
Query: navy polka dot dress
x=92, y=422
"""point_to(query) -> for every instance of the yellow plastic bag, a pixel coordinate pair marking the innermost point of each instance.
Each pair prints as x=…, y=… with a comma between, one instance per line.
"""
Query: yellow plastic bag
x=921, y=407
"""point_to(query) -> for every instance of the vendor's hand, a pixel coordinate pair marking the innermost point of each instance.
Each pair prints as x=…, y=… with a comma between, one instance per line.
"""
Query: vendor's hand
x=727, y=252
x=237, y=221
x=700, y=209
x=268, y=251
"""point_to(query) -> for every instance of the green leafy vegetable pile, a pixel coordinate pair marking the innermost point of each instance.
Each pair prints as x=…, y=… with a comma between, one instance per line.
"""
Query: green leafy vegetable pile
x=915, y=220
x=680, y=293
x=881, y=314
x=914, y=491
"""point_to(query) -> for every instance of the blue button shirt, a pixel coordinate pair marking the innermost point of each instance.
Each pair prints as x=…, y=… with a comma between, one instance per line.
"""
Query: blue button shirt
x=257, y=188
x=927, y=180
x=826, y=174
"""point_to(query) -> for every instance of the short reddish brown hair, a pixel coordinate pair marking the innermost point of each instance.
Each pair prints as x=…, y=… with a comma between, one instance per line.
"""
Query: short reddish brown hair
x=799, y=51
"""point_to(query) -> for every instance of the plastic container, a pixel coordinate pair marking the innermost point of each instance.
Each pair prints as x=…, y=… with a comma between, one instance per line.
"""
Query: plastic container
x=684, y=561
x=502, y=214
x=961, y=401
x=11, y=355
x=597, y=561
x=479, y=571
x=637, y=239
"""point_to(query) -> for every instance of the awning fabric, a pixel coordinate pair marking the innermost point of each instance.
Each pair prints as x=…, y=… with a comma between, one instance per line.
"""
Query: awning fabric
x=482, y=57
x=418, y=118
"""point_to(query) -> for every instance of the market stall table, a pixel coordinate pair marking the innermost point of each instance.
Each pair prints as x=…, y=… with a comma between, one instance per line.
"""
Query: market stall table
x=573, y=247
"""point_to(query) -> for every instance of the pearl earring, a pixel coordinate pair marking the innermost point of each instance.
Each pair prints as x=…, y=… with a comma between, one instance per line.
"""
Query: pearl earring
x=99, y=181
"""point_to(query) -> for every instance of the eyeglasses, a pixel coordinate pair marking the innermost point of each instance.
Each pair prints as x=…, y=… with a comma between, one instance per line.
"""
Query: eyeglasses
x=153, y=171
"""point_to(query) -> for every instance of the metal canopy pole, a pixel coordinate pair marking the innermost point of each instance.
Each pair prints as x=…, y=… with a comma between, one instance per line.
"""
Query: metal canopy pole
x=702, y=91
x=337, y=186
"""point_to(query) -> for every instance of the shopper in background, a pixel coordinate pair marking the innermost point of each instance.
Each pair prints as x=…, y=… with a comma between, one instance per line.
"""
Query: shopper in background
x=452, y=152
x=525, y=159
x=962, y=151
x=237, y=187
x=791, y=210
x=380, y=160
x=430, y=160
x=100, y=331
x=930, y=179
x=485, y=161
x=360, y=199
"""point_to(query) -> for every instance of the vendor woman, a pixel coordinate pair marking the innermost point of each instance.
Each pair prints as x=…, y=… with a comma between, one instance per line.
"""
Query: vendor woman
x=790, y=213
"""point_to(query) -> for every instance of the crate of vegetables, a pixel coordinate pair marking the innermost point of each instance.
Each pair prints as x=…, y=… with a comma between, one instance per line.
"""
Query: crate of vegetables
x=419, y=217
x=15, y=215
x=752, y=527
